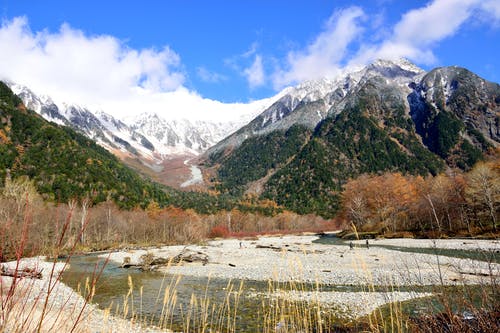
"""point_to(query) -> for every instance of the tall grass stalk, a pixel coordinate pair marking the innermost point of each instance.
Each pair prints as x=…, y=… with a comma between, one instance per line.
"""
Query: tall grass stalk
x=28, y=305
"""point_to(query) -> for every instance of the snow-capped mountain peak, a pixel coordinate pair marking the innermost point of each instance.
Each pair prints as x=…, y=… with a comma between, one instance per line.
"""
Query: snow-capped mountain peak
x=312, y=101
x=183, y=134
x=153, y=135
x=148, y=135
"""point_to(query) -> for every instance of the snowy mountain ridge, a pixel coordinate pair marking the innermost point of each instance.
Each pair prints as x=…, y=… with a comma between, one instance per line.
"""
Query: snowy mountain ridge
x=154, y=137
x=147, y=135
x=313, y=101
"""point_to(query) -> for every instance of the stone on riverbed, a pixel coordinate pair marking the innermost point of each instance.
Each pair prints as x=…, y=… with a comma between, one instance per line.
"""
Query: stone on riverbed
x=149, y=262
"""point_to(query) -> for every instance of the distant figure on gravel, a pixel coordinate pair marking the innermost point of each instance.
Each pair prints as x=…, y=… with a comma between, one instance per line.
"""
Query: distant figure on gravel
x=241, y=245
x=351, y=245
x=367, y=244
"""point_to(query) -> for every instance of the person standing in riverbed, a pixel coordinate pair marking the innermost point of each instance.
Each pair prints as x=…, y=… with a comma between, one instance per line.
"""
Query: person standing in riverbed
x=367, y=244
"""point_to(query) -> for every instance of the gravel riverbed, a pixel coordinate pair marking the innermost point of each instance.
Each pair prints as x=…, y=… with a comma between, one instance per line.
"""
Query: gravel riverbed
x=280, y=259
x=297, y=258
x=66, y=310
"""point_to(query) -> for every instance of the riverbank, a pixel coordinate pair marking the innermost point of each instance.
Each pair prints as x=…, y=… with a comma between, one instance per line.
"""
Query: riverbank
x=455, y=244
x=297, y=258
x=371, y=276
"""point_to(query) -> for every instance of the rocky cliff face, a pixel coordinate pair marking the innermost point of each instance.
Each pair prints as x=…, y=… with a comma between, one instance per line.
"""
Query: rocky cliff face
x=181, y=134
x=99, y=126
x=459, y=94
x=147, y=135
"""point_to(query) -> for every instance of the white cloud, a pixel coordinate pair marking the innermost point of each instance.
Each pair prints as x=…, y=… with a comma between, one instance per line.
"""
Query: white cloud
x=101, y=72
x=324, y=55
x=250, y=65
x=420, y=29
x=492, y=10
x=77, y=67
x=255, y=73
x=208, y=76
x=415, y=37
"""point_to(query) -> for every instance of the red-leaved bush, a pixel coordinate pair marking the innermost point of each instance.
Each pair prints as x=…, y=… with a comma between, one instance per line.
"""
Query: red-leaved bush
x=219, y=231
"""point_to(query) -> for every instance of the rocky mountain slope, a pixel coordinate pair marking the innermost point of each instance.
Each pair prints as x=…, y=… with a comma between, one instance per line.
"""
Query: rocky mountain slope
x=388, y=116
x=64, y=164
x=147, y=142
x=313, y=101
x=148, y=135
x=181, y=135
x=99, y=126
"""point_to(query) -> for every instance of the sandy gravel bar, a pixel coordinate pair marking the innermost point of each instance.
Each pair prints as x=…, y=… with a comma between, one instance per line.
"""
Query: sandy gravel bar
x=347, y=305
x=297, y=258
x=458, y=244
x=286, y=258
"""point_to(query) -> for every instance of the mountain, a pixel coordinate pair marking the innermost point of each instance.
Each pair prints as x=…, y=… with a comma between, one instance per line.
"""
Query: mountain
x=159, y=148
x=64, y=164
x=147, y=134
x=313, y=101
x=455, y=112
x=182, y=135
x=387, y=116
x=99, y=126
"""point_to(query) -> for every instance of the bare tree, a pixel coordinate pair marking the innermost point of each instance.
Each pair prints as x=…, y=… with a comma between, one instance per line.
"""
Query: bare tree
x=484, y=189
x=85, y=205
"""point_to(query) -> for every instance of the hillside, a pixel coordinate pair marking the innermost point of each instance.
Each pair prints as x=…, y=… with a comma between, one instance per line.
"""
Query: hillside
x=63, y=163
x=389, y=119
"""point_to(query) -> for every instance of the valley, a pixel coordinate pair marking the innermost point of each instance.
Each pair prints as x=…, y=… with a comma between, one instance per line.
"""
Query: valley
x=382, y=152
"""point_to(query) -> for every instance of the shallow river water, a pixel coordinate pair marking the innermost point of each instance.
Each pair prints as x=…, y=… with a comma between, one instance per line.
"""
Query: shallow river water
x=146, y=299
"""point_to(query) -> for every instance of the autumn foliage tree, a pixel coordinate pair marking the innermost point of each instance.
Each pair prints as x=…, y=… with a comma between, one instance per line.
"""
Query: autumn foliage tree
x=450, y=202
x=483, y=191
x=381, y=202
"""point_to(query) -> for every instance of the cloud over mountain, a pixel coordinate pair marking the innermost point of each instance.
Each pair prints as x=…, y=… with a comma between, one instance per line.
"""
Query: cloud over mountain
x=102, y=72
x=97, y=66
x=345, y=39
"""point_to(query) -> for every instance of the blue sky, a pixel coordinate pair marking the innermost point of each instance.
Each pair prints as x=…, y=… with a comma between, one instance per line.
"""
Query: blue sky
x=232, y=51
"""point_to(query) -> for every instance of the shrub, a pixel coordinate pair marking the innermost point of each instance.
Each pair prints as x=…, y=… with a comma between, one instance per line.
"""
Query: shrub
x=219, y=231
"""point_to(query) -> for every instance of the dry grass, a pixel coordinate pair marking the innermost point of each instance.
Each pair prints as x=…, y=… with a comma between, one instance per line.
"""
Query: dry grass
x=29, y=305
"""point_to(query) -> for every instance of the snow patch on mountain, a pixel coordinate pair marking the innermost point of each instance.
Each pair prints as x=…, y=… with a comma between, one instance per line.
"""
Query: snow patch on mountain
x=312, y=101
x=150, y=135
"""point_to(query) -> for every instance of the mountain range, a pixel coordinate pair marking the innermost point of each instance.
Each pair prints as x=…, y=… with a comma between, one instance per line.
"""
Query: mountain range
x=311, y=138
x=147, y=135
x=63, y=164
x=389, y=116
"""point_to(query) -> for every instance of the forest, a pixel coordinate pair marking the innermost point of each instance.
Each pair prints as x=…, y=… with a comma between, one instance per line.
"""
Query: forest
x=36, y=226
x=389, y=205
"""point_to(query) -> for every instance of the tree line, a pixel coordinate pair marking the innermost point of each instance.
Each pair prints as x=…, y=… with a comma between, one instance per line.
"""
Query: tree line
x=30, y=225
x=450, y=203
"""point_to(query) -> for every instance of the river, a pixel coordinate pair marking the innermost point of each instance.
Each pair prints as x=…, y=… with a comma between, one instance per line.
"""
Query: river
x=147, y=298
